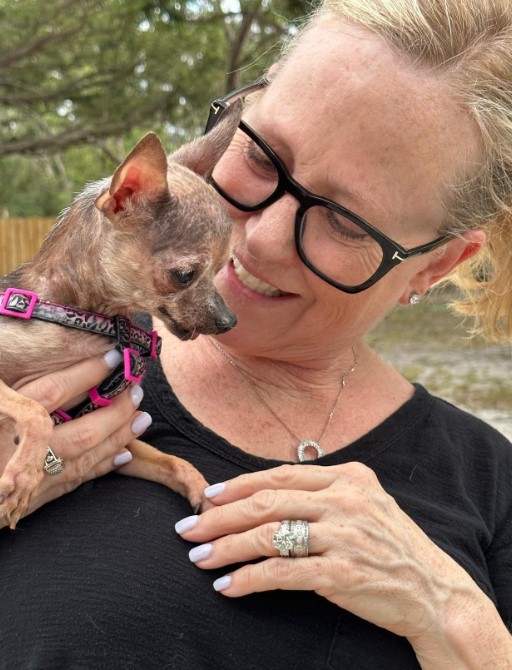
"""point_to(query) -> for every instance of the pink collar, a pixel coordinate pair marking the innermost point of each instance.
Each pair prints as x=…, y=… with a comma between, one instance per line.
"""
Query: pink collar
x=23, y=304
x=133, y=342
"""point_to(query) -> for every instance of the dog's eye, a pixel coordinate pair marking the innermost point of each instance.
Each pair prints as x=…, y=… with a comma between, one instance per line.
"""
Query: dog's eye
x=182, y=278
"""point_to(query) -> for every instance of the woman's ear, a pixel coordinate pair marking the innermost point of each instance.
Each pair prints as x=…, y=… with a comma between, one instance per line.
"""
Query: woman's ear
x=443, y=261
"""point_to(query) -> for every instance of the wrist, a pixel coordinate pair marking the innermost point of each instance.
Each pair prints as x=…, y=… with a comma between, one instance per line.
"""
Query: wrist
x=469, y=635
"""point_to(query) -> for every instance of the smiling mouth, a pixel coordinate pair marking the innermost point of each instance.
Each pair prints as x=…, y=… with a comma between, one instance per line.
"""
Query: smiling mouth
x=252, y=282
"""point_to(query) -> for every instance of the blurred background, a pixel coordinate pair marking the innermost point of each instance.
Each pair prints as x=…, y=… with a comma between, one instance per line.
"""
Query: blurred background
x=81, y=81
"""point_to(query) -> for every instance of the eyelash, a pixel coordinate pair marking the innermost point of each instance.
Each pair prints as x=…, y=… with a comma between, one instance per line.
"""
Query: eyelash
x=255, y=155
x=340, y=229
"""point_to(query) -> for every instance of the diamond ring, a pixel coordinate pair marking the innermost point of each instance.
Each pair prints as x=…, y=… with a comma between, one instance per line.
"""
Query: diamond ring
x=53, y=465
x=291, y=539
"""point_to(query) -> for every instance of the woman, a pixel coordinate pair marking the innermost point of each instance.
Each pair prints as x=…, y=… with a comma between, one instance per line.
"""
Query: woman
x=375, y=163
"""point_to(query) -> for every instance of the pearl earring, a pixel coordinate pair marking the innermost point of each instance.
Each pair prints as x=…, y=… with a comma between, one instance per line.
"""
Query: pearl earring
x=414, y=298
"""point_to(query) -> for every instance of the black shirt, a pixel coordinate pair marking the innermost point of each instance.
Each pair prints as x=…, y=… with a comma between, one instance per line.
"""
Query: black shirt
x=99, y=579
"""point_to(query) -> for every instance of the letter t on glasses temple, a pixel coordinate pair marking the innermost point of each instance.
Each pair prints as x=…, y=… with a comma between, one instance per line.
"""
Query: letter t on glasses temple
x=220, y=104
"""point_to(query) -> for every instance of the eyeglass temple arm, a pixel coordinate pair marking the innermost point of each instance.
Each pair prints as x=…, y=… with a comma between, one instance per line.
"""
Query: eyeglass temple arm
x=220, y=104
x=402, y=254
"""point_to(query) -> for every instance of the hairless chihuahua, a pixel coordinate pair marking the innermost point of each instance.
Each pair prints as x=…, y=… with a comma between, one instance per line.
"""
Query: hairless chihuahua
x=150, y=239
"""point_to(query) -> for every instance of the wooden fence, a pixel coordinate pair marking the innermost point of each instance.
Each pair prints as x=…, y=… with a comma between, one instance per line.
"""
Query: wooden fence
x=20, y=239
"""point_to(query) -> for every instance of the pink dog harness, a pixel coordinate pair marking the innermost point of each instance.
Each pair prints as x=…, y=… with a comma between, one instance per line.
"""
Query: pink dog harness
x=134, y=343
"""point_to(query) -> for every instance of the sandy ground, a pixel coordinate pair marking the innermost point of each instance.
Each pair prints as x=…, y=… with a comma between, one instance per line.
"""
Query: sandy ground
x=468, y=378
x=428, y=344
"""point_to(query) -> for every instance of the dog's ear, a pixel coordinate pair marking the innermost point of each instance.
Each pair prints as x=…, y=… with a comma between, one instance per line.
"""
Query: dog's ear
x=143, y=173
x=202, y=154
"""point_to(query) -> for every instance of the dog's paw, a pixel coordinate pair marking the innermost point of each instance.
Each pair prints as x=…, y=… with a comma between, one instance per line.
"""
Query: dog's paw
x=7, y=485
x=183, y=478
x=16, y=489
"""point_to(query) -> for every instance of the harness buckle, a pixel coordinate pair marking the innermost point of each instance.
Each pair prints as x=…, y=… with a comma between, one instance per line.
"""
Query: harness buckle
x=19, y=303
x=129, y=375
x=156, y=344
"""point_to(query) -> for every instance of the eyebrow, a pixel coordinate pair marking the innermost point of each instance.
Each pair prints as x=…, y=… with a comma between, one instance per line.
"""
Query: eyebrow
x=361, y=197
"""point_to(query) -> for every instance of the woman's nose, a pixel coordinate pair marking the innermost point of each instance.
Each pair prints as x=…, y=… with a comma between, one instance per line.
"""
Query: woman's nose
x=269, y=233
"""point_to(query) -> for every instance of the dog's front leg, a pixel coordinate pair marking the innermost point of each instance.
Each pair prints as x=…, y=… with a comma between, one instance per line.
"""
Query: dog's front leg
x=171, y=471
x=30, y=436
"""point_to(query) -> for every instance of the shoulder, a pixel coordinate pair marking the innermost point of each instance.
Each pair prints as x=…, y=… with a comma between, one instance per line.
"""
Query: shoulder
x=458, y=425
x=464, y=451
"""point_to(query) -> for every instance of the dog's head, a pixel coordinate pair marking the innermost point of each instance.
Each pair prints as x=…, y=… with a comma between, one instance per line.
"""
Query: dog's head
x=170, y=232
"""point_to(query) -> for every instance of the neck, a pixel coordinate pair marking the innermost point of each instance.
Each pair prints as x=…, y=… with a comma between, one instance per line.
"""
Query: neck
x=68, y=269
x=306, y=374
x=311, y=445
x=302, y=395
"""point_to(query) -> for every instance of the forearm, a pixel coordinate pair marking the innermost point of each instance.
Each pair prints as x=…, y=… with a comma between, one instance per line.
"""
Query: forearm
x=472, y=637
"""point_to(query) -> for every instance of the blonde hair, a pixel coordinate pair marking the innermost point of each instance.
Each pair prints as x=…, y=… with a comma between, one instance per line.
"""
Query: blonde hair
x=469, y=43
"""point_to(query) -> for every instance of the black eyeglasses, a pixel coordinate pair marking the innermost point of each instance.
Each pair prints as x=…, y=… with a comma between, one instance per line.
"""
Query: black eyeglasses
x=336, y=244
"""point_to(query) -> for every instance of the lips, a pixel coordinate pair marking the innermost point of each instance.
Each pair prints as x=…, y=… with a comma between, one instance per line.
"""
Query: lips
x=252, y=282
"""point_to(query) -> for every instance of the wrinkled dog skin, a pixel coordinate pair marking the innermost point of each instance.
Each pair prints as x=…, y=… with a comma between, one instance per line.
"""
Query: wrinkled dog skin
x=150, y=239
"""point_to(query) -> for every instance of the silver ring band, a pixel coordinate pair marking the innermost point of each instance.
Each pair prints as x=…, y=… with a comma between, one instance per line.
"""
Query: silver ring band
x=300, y=532
x=53, y=465
x=291, y=539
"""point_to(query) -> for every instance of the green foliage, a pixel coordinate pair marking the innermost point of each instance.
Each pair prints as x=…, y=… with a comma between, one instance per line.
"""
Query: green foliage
x=82, y=80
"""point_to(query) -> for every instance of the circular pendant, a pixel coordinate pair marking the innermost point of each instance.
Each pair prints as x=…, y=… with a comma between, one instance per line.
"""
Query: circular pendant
x=304, y=445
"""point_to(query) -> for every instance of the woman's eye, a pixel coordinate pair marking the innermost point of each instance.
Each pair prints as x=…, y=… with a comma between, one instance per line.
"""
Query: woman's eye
x=181, y=278
x=255, y=155
x=344, y=227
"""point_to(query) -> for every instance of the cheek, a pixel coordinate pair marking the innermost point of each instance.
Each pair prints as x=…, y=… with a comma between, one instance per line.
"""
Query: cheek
x=357, y=312
x=223, y=173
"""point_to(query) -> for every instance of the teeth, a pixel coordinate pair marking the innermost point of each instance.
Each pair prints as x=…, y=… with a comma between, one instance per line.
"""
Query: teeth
x=253, y=282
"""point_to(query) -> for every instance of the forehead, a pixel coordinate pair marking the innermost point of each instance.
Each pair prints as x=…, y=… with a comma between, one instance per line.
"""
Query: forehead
x=351, y=116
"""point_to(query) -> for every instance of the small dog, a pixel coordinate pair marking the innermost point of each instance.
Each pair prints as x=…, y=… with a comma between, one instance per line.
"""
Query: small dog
x=150, y=239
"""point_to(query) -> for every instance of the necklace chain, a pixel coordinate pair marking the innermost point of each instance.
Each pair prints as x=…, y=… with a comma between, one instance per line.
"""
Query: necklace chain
x=303, y=444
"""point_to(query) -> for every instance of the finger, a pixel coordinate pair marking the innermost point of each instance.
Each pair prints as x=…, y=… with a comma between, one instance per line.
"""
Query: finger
x=73, y=438
x=95, y=462
x=57, y=388
x=247, y=546
x=289, y=574
x=290, y=477
x=262, y=507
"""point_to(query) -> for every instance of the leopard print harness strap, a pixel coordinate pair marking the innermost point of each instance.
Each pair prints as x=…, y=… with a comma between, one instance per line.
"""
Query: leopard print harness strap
x=135, y=344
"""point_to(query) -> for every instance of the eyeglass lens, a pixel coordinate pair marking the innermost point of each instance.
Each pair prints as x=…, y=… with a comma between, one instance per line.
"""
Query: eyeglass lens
x=335, y=245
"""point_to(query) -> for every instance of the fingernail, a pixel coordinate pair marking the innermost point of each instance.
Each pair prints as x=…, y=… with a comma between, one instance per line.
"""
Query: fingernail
x=186, y=524
x=112, y=358
x=141, y=422
x=222, y=583
x=136, y=394
x=214, y=490
x=200, y=553
x=123, y=457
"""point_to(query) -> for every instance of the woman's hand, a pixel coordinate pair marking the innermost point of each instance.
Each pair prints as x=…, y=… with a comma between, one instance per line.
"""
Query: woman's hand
x=365, y=554
x=89, y=446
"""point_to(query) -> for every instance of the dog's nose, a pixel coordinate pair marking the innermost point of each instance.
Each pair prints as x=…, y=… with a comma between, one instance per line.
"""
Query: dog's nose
x=225, y=322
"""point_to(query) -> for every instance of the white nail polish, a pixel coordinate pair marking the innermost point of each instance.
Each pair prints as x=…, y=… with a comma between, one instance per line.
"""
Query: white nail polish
x=214, y=490
x=136, y=394
x=112, y=358
x=123, y=458
x=141, y=422
x=186, y=524
x=222, y=583
x=200, y=553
